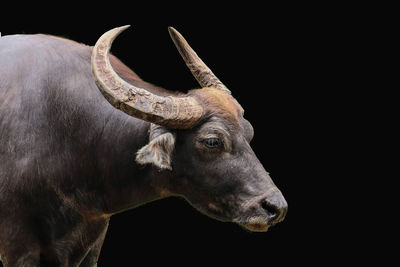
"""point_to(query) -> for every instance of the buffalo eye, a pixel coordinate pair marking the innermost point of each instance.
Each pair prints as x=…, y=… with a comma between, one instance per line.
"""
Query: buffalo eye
x=212, y=142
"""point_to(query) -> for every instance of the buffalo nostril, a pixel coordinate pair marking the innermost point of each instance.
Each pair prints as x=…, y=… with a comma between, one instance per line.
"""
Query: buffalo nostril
x=270, y=208
x=275, y=207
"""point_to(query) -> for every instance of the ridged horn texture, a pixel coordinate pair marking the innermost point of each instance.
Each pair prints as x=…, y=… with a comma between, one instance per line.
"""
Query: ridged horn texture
x=171, y=111
x=199, y=69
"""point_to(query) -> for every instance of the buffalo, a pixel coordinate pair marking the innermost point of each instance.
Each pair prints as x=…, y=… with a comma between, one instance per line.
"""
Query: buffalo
x=82, y=137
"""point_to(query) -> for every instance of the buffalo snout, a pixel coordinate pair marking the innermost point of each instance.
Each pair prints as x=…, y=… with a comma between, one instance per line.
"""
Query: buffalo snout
x=275, y=207
x=263, y=211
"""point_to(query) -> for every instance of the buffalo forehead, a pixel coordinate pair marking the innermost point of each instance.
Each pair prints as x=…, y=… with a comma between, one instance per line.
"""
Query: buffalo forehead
x=218, y=102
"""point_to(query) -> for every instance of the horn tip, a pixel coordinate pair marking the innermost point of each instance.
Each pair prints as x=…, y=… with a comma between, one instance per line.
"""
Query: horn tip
x=122, y=28
x=172, y=31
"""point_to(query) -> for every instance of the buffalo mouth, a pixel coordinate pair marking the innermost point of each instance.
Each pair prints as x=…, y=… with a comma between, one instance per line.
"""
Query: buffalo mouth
x=255, y=224
x=249, y=220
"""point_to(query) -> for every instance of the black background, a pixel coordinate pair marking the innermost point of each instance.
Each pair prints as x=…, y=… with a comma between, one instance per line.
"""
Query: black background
x=287, y=66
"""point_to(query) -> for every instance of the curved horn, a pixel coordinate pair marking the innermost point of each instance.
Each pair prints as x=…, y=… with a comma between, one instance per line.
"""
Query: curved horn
x=199, y=69
x=170, y=111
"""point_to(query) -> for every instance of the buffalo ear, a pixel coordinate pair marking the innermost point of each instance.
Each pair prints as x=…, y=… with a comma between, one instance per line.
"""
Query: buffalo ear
x=158, y=151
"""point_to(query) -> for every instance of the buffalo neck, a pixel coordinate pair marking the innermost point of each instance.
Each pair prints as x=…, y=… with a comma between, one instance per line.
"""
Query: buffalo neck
x=124, y=184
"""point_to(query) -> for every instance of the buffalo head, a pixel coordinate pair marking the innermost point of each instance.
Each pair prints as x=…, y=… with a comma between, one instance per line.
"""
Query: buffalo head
x=201, y=138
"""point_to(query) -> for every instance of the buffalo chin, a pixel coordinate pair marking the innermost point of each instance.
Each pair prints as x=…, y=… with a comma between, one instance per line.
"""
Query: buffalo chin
x=256, y=227
x=255, y=224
